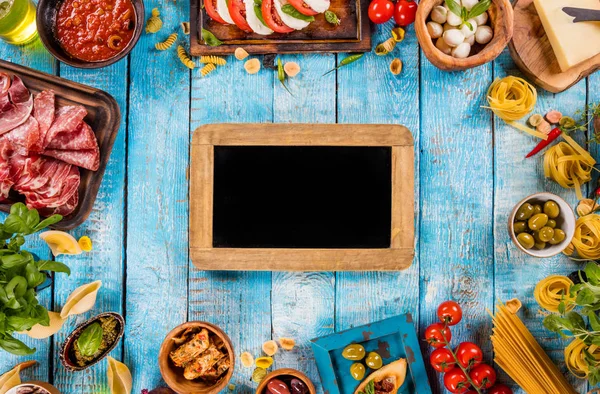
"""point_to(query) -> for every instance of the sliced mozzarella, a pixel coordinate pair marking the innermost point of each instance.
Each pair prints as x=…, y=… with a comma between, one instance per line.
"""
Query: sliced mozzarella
x=224, y=11
x=319, y=6
x=288, y=20
x=255, y=24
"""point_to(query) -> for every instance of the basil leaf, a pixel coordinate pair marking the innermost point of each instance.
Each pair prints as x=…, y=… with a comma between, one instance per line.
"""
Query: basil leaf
x=454, y=7
x=294, y=13
x=479, y=8
x=20, y=323
x=16, y=225
x=258, y=11
x=332, y=18
x=18, y=209
x=14, y=346
x=54, y=266
x=49, y=221
x=90, y=339
x=210, y=39
x=33, y=275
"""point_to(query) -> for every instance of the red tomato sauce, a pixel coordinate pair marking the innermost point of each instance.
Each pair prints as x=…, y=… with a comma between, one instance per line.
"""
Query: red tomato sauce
x=95, y=30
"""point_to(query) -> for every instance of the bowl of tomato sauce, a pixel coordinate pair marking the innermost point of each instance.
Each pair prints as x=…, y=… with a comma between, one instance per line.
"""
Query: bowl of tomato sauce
x=90, y=33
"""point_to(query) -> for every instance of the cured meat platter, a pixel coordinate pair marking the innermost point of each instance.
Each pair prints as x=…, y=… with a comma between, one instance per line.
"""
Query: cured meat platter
x=64, y=174
x=353, y=34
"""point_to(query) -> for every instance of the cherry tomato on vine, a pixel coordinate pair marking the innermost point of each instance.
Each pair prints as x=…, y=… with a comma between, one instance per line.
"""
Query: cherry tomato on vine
x=449, y=312
x=442, y=360
x=381, y=11
x=456, y=381
x=435, y=334
x=469, y=354
x=483, y=376
x=500, y=389
x=405, y=12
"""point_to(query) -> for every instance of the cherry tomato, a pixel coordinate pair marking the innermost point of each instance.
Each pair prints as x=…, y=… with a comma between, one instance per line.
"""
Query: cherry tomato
x=381, y=11
x=211, y=9
x=483, y=376
x=237, y=10
x=405, y=12
x=442, y=360
x=302, y=7
x=272, y=18
x=435, y=334
x=456, y=381
x=500, y=389
x=449, y=312
x=469, y=354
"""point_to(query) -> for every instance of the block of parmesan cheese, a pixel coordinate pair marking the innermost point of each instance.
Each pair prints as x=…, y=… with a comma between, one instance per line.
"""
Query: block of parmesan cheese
x=572, y=43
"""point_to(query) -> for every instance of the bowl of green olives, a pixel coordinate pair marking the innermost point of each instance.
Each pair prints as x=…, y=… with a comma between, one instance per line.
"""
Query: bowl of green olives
x=542, y=225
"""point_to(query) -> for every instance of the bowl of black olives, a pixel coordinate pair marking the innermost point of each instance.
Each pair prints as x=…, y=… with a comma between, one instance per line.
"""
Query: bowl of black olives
x=542, y=225
x=286, y=381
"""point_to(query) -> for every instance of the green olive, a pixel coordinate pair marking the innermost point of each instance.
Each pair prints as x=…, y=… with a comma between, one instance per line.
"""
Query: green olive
x=551, y=209
x=539, y=245
x=537, y=221
x=536, y=236
x=558, y=237
x=354, y=352
x=551, y=223
x=526, y=240
x=374, y=360
x=357, y=370
x=520, y=227
x=545, y=234
x=524, y=212
x=537, y=208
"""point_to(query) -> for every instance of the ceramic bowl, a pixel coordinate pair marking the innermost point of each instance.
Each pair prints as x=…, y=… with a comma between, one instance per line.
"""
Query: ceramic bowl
x=173, y=375
x=285, y=375
x=46, y=22
x=501, y=17
x=34, y=385
x=566, y=221
x=64, y=355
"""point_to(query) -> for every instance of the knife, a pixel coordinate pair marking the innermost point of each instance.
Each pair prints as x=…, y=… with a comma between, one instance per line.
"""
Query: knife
x=582, y=14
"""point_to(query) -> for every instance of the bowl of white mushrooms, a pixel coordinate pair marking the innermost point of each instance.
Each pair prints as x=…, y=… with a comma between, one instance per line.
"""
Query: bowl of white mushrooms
x=460, y=34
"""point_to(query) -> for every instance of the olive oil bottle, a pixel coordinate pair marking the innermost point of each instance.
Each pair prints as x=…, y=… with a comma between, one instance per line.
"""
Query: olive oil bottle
x=17, y=21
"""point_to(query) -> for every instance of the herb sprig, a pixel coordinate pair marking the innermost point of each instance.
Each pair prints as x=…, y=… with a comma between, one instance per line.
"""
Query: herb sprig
x=465, y=14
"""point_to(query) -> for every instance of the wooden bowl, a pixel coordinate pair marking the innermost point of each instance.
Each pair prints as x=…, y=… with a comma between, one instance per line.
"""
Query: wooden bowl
x=501, y=21
x=34, y=384
x=566, y=221
x=173, y=375
x=286, y=374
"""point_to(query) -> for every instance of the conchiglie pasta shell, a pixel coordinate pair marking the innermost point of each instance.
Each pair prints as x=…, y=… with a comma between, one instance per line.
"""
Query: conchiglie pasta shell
x=81, y=300
x=10, y=379
x=40, y=332
x=119, y=377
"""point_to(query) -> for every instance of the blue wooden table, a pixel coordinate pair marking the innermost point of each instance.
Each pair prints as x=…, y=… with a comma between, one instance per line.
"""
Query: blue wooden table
x=469, y=172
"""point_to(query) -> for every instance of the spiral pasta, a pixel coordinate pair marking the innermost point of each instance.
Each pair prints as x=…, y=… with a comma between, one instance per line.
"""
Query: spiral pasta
x=586, y=240
x=216, y=60
x=184, y=57
x=385, y=47
x=154, y=23
x=207, y=69
x=166, y=44
x=569, y=165
x=575, y=357
x=553, y=290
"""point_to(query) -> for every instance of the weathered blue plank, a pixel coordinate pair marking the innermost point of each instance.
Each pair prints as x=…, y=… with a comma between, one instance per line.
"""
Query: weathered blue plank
x=35, y=56
x=157, y=210
x=516, y=273
x=238, y=302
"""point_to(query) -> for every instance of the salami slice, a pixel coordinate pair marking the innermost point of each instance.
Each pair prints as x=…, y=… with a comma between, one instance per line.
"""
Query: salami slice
x=88, y=159
x=43, y=112
x=16, y=110
x=6, y=181
x=68, y=187
x=81, y=138
x=25, y=136
x=4, y=83
x=66, y=120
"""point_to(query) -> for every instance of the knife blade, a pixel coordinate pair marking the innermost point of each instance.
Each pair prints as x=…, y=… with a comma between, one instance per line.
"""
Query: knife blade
x=582, y=14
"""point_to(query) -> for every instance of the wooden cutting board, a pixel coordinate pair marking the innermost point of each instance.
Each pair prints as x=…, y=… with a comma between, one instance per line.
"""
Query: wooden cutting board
x=533, y=54
x=302, y=197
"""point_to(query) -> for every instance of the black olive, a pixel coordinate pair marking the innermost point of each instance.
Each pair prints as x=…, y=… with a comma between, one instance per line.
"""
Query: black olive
x=574, y=276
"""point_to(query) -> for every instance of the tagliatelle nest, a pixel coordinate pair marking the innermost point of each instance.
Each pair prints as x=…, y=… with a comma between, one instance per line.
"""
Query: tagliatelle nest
x=587, y=206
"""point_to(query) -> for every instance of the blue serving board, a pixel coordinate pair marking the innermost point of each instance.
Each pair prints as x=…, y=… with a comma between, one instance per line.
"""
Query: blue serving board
x=392, y=338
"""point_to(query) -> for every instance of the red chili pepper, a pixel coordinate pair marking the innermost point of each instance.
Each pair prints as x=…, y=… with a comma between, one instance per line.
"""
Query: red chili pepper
x=544, y=143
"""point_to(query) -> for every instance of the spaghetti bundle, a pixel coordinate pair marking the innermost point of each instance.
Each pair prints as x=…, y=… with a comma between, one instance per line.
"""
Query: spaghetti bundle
x=586, y=240
x=523, y=359
x=553, y=290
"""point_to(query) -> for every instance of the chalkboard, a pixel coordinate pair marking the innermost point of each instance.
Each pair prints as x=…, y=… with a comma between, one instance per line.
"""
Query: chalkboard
x=302, y=197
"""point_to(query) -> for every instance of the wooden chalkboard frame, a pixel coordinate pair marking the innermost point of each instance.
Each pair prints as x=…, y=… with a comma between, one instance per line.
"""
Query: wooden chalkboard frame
x=398, y=257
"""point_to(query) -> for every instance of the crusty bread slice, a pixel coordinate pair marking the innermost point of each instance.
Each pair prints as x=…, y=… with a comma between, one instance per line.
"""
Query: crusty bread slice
x=397, y=369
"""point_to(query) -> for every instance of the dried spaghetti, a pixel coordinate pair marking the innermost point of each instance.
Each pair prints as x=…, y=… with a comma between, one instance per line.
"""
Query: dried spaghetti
x=586, y=240
x=553, y=290
x=523, y=359
x=511, y=98
x=569, y=165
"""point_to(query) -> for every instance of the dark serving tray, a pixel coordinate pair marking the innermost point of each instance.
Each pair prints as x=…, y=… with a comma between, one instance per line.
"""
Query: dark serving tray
x=103, y=116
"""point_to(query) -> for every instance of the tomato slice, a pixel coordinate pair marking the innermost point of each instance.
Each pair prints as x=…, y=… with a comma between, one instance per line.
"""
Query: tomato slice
x=237, y=10
x=302, y=7
x=272, y=18
x=211, y=9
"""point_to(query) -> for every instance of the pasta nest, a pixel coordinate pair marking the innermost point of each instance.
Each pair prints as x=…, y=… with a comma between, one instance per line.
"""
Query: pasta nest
x=552, y=291
x=575, y=357
x=511, y=98
x=586, y=240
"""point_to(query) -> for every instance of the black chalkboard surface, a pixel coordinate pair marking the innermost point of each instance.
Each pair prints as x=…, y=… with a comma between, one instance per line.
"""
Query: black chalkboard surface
x=302, y=197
